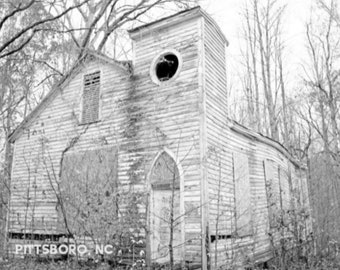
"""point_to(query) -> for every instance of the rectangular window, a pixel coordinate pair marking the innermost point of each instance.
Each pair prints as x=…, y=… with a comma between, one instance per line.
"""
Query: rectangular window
x=90, y=104
x=273, y=192
x=89, y=190
x=285, y=194
x=285, y=189
x=242, y=195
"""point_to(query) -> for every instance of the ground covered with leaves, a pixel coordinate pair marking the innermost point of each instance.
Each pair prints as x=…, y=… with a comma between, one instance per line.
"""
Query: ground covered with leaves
x=313, y=263
x=31, y=264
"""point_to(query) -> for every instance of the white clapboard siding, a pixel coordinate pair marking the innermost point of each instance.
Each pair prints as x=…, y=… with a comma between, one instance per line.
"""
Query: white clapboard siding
x=137, y=116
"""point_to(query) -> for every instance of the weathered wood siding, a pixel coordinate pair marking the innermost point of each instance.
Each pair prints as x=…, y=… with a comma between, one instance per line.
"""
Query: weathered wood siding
x=38, y=150
x=219, y=162
x=171, y=117
x=187, y=118
x=137, y=117
x=227, y=245
x=260, y=245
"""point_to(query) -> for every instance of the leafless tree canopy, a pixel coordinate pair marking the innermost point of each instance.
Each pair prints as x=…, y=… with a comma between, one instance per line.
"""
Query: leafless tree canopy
x=304, y=118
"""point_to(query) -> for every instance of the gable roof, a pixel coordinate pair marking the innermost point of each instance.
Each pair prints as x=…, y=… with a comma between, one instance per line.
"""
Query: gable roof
x=173, y=20
x=76, y=68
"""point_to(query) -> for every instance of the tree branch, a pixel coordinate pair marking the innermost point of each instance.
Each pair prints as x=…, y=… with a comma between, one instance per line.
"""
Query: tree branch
x=32, y=27
x=86, y=40
x=125, y=17
x=15, y=11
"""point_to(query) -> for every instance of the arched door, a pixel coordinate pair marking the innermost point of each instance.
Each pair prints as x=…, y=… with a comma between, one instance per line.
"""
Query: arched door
x=165, y=219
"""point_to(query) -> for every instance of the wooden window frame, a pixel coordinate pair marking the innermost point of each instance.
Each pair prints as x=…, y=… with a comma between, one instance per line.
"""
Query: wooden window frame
x=154, y=62
x=81, y=114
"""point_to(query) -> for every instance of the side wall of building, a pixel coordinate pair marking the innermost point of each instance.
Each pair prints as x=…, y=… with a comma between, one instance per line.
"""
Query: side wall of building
x=241, y=172
x=38, y=150
x=266, y=191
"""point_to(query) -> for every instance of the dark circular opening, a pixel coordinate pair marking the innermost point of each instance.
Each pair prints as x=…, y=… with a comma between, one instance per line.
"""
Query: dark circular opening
x=166, y=67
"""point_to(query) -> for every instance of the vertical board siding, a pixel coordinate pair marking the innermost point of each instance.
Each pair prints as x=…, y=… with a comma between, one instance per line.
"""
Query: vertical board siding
x=273, y=192
x=90, y=97
x=36, y=167
x=243, y=208
x=285, y=189
x=89, y=180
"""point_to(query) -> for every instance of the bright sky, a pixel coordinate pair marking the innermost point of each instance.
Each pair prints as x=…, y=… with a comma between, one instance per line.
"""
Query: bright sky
x=227, y=13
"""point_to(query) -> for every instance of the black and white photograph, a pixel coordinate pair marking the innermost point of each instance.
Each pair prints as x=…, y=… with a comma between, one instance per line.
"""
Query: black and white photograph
x=169, y=134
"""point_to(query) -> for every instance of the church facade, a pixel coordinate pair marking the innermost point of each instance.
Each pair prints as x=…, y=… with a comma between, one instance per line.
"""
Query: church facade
x=146, y=149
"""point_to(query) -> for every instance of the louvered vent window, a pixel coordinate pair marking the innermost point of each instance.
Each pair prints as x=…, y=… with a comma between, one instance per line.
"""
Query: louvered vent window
x=90, y=108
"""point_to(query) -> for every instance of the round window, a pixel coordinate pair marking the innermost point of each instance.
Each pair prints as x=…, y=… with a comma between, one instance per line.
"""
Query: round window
x=165, y=67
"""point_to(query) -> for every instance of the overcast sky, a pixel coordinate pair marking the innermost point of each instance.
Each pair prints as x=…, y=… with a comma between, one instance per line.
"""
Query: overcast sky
x=227, y=13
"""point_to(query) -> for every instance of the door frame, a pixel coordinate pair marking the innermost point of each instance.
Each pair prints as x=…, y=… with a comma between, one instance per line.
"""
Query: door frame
x=149, y=203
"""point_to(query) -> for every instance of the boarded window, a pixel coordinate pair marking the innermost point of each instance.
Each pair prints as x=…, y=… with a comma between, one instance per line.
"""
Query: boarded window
x=90, y=109
x=302, y=188
x=242, y=195
x=88, y=190
x=285, y=188
x=273, y=192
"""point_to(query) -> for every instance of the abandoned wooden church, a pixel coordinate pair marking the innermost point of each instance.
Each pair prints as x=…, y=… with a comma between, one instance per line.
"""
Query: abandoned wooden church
x=145, y=149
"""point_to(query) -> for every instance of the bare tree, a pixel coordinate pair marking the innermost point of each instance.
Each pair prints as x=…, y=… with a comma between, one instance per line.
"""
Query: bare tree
x=20, y=38
x=322, y=81
x=102, y=21
x=263, y=62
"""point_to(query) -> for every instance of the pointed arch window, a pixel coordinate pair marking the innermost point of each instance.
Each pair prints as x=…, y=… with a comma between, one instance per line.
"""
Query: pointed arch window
x=164, y=173
x=165, y=214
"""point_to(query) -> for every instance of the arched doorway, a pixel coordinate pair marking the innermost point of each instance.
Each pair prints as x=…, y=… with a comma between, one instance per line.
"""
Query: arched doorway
x=165, y=214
